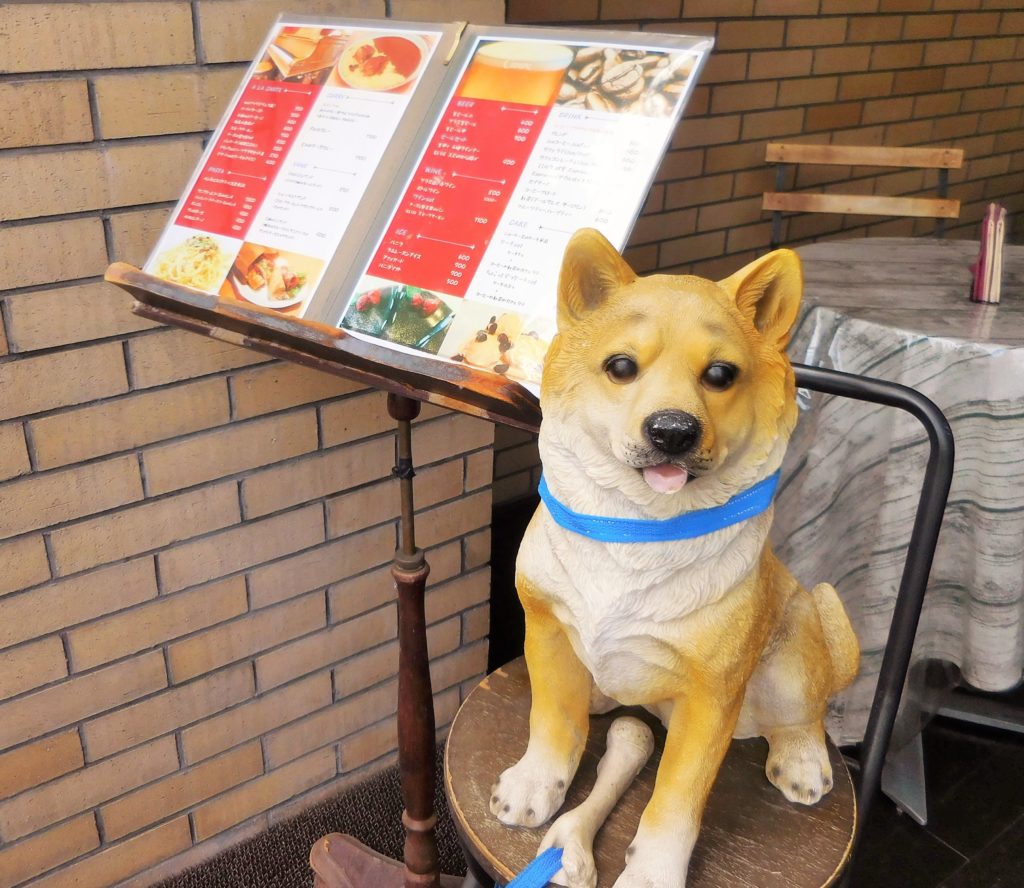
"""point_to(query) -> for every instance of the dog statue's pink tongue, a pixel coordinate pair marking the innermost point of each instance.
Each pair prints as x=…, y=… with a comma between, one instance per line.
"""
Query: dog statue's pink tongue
x=665, y=478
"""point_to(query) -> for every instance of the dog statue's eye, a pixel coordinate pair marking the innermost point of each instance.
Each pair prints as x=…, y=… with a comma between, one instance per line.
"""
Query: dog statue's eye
x=620, y=369
x=719, y=376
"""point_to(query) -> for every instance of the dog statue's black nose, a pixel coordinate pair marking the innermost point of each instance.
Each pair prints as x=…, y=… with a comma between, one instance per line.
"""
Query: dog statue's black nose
x=672, y=431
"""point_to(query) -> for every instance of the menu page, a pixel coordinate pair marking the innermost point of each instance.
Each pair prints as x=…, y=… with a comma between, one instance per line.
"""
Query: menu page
x=538, y=139
x=286, y=170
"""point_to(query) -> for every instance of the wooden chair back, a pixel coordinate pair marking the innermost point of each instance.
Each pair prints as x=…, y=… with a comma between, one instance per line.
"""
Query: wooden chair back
x=785, y=155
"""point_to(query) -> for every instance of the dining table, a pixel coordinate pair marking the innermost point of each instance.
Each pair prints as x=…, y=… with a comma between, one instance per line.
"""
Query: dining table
x=899, y=309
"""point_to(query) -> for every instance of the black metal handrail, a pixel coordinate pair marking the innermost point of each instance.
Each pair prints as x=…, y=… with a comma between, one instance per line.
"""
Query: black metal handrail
x=938, y=476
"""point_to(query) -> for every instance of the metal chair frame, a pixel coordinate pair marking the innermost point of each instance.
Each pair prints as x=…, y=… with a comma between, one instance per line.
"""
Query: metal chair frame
x=938, y=476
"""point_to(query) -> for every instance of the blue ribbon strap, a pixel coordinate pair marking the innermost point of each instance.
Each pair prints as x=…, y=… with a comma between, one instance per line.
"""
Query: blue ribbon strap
x=540, y=871
x=690, y=525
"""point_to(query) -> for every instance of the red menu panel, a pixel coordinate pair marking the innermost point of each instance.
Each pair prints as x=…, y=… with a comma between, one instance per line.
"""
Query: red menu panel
x=241, y=168
x=451, y=208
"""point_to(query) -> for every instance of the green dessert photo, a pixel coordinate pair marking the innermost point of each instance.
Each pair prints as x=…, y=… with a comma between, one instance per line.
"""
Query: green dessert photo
x=401, y=314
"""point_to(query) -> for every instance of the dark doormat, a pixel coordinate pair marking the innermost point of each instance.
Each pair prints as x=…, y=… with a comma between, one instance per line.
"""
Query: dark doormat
x=279, y=858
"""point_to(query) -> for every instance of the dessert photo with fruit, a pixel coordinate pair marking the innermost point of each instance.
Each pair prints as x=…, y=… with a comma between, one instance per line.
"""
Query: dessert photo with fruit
x=401, y=314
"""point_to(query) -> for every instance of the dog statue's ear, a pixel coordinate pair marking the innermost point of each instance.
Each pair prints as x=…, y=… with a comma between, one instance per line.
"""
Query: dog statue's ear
x=767, y=292
x=591, y=269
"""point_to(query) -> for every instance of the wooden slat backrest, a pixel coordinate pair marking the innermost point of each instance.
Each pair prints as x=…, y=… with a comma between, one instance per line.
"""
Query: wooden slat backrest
x=939, y=208
x=853, y=155
x=861, y=204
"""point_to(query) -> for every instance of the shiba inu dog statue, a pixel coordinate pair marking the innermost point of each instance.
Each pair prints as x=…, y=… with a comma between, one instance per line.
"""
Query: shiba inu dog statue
x=646, y=574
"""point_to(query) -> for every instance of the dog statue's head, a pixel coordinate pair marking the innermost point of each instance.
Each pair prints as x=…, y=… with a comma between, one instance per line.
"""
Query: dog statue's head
x=674, y=391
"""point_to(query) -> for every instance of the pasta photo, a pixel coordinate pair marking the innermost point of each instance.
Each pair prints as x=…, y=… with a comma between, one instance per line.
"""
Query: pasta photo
x=198, y=262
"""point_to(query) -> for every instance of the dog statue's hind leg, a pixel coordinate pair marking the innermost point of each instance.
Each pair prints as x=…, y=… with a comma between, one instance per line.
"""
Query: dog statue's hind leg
x=529, y=792
x=813, y=655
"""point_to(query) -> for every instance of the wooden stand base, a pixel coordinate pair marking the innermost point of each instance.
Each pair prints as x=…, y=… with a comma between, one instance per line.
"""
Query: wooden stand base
x=343, y=862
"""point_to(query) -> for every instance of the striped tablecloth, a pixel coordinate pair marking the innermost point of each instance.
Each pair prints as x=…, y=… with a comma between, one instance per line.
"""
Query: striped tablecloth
x=898, y=309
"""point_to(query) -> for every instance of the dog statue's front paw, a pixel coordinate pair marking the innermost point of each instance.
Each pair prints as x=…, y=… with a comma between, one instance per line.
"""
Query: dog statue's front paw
x=798, y=766
x=658, y=858
x=529, y=792
x=639, y=874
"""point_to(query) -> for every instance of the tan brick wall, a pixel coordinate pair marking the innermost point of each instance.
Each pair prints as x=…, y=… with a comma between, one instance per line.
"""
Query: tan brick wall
x=197, y=620
x=197, y=632
x=871, y=72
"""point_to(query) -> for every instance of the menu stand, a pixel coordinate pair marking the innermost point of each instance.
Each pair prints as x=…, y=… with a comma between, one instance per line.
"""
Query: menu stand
x=341, y=861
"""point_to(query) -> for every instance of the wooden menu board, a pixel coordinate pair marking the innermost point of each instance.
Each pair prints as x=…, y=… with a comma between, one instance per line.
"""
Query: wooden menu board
x=398, y=195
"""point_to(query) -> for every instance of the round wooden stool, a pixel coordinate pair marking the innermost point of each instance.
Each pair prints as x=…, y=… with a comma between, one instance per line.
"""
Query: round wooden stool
x=751, y=837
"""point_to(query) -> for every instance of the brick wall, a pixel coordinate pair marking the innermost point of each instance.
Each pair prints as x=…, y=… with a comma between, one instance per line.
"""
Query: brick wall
x=197, y=626
x=859, y=72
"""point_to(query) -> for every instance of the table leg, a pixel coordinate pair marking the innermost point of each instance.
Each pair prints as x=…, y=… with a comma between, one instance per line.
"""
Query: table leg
x=341, y=861
x=903, y=780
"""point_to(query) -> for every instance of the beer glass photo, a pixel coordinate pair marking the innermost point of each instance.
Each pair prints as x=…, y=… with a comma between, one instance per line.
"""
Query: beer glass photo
x=526, y=72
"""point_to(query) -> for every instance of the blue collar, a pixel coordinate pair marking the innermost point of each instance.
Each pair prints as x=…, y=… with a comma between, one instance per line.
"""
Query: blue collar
x=746, y=504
